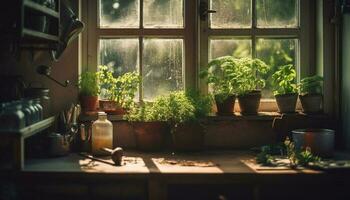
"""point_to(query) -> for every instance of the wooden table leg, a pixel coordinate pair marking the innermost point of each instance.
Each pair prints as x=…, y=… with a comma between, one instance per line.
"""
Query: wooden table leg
x=18, y=153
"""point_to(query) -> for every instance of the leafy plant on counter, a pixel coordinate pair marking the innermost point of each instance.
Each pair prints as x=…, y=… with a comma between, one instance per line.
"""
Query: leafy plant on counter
x=311, y=85
x=269, y=155
x=284, y=80
x=122, y=89
x=88, y=84
x=176, y=107
x=248, y=75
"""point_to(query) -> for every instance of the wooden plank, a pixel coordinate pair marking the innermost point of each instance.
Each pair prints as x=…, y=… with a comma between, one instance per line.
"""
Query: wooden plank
x=38, y=35
x=29, y=130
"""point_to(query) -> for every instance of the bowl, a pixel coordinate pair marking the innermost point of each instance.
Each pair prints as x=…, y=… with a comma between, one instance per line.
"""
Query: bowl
x=321, y=141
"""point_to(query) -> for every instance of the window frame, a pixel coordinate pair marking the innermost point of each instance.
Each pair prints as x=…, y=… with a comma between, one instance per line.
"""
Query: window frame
x=90, y=38
x=196, y=40
x=305, y=48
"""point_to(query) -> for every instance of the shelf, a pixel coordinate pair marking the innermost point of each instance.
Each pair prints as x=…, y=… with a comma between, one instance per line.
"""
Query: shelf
x=30, y=130
x=41, y=9
x=39, y=35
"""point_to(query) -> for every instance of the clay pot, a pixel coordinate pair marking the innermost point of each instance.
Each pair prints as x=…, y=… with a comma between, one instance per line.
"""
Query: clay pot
x=188, y=137
x=150, y=135
x=88, y=103
x=111, y=107
x=286, y=102
x=226, y=107
x=311, y=103
x=249, y=103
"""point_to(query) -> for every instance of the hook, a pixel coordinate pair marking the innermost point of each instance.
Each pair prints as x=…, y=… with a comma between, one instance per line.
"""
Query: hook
x=45, y=71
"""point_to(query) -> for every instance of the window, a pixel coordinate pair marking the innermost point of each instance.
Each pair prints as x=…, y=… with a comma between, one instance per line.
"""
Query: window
x=148, y=36
x=168, y=43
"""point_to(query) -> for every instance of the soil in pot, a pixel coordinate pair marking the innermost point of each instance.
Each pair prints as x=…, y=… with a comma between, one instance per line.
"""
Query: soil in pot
x=311, y=103
x=249, y=103
x=111, y=107
x=88, y=103
x=188, y=137
x=150, y=135
x=286, y=102
x=225, y=107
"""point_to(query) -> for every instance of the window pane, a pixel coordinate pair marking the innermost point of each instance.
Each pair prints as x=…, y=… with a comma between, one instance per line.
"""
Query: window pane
x=162, y=67
x=119, y=13
x=236, y=47
x=121, y=55
x=276, y=53
x=231, y=14
x=163, y=13
x=277, y=13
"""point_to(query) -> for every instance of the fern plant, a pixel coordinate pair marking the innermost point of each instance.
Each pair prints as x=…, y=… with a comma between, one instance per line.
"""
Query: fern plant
x=311, y=85
x=88, y=84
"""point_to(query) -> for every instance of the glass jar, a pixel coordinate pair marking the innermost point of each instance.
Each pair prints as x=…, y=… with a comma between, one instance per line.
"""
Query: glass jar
x=12, y=117
x=102, y=135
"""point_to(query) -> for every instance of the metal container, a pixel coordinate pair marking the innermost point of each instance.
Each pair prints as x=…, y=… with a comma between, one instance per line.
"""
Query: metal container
x=321, y=141
x=58, y=145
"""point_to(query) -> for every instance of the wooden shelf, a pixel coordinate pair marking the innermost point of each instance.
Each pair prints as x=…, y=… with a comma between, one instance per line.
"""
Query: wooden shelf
x=30, y=130
x=41, y=9
x=39, y=35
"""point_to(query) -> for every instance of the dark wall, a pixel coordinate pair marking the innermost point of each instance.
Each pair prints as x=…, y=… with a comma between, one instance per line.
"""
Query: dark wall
x=345, y=86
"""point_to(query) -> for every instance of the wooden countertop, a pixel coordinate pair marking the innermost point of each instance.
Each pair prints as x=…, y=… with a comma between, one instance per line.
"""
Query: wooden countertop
x=166, y=163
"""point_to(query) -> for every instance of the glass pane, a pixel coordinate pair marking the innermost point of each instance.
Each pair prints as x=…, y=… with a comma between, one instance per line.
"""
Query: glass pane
x=235, y=47
x=231, y=14
x=119, y=13
x=277, y=13
x=162, y=67
x=163, y=13
x=276, y=53
x=120, y=55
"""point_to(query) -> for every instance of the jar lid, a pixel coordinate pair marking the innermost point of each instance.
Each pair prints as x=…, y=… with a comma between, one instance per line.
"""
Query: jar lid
x=102, y=114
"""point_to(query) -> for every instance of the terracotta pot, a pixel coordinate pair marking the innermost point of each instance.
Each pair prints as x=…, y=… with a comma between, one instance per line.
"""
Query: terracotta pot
x=311, y=103
x=150, y=135
x=286, y=102
x=111, y=107
x=88, y=103
x=188, y=137
x=249, y=103
x=226, y=107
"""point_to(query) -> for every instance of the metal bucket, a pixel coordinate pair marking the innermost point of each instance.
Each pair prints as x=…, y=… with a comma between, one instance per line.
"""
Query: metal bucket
x=321, y=141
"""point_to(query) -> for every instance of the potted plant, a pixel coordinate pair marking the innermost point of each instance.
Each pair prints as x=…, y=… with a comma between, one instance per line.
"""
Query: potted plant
x=285, y=88
x=149, y=127
x=88, y=91
x=310, y=90
x=249, y=83
x=187, y=130
x=117, y=93
x=221, y=77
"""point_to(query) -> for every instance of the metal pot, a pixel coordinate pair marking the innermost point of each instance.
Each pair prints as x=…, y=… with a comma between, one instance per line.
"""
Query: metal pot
x=321, y=141
x=58, y=145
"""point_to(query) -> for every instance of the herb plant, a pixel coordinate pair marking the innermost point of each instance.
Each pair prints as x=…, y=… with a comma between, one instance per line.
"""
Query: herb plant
x=248, y=73
x=88, y=84
x=284, y=80
x=311, y=85
x=174, y=108
x=121, y=89
x=221, y=76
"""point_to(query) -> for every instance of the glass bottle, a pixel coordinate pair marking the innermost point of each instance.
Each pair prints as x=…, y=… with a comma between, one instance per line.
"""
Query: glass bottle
x=102, y=135
x=36, y=104
x=28, y=113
